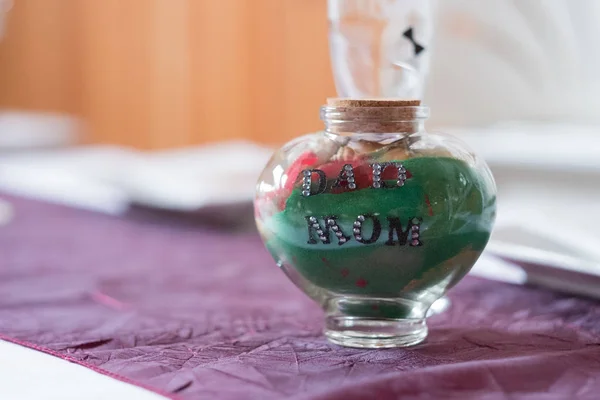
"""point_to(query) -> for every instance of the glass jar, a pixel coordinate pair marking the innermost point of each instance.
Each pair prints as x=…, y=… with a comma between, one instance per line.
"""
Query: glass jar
x=375, y=218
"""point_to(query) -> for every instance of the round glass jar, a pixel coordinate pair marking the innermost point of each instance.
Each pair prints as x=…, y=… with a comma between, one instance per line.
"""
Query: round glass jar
x=375, y=218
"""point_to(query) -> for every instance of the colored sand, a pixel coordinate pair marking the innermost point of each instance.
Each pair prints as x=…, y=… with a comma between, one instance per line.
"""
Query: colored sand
x=457, y=207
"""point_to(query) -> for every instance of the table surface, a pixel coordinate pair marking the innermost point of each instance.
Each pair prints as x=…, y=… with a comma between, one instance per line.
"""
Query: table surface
x=195, y=311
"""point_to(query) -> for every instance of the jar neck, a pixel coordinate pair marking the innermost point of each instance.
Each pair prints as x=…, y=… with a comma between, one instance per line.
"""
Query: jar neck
x=399, y=121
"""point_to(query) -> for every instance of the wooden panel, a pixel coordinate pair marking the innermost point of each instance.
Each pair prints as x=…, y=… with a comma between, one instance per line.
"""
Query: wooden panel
x=220, y=64
x=307, y=68
x=116, y=61
x=39, y=57
x=166, y=73
x=268, y=92
x=171, y=74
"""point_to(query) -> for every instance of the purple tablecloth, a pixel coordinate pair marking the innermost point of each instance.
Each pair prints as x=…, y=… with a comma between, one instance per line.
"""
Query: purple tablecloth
x=203, y=313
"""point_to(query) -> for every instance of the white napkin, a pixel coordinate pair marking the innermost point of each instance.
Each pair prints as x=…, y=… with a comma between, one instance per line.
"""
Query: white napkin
x=109, y=179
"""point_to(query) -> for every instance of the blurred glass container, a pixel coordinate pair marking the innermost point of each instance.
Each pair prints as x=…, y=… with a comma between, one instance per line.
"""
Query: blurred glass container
x=379, y=48
x=6, y=210
x=375, y=218
x=5, y=6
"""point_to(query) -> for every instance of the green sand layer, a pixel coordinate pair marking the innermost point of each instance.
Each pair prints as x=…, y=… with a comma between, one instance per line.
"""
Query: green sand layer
x=457, y=206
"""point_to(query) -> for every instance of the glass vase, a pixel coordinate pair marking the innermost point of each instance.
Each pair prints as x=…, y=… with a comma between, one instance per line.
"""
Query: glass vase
x=375, y=218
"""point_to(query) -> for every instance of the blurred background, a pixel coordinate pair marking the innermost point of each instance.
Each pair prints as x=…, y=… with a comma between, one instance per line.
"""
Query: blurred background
x=87, y=87
x=156, y=74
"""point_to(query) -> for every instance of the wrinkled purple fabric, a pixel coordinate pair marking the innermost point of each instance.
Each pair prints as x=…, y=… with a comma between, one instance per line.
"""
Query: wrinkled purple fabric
x=203, y=313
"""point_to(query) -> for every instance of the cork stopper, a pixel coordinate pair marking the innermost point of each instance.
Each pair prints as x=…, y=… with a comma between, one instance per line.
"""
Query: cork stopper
x=345, y=102
x=374, y=115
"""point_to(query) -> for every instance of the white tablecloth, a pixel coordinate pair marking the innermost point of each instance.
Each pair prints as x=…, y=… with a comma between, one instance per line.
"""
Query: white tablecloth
x=27, y=374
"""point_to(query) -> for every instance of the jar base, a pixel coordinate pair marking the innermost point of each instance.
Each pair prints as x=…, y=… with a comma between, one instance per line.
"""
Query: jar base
x=372, y=333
